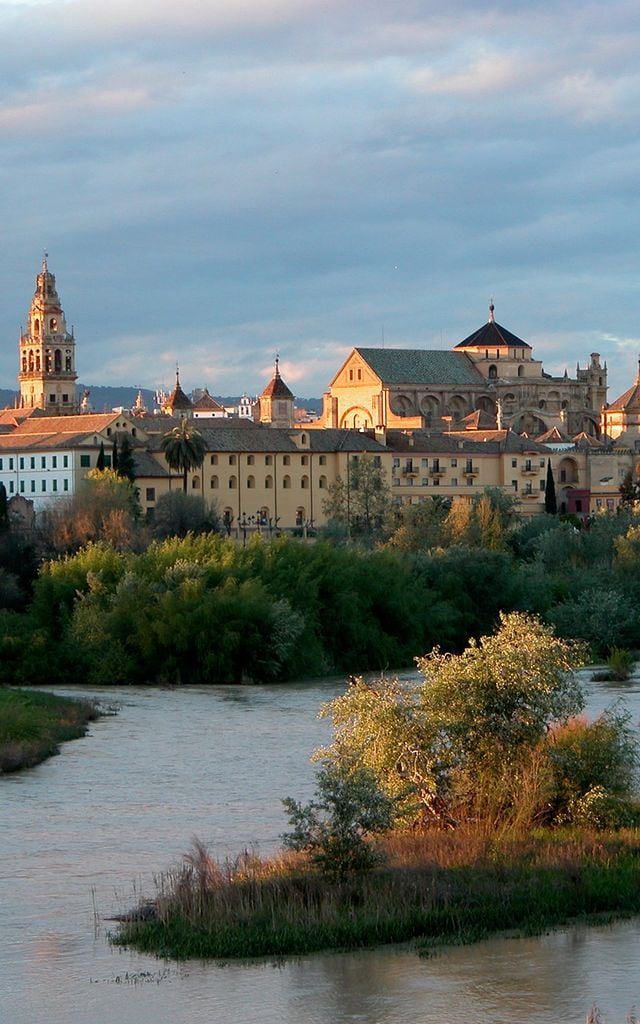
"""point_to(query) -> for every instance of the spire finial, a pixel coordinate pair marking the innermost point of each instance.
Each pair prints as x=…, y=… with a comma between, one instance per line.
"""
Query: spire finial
x=45, y=257
x=277, y=373
x=491, y=309
x=177, y=376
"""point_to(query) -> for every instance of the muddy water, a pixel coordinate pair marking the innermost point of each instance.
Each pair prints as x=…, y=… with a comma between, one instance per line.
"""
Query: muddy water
x=83, y=831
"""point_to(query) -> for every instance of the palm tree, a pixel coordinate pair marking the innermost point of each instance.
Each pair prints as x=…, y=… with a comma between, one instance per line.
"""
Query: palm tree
x=184, y=449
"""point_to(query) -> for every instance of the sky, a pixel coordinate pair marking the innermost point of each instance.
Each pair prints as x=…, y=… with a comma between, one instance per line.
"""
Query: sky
x=217, y=182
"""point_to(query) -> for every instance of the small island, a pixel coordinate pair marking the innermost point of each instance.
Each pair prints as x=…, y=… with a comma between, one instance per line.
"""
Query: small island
x=33, y=724
x=475, y=802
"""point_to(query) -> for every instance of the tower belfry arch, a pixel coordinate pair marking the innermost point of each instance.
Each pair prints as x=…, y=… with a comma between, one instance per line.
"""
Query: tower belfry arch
x=47, y=352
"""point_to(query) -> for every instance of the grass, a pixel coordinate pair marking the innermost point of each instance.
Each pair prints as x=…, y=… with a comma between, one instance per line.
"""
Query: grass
x=435, y=888
x=33, y=724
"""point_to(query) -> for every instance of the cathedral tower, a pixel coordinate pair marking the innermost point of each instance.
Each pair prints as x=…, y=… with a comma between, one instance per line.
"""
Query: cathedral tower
x=47, y=373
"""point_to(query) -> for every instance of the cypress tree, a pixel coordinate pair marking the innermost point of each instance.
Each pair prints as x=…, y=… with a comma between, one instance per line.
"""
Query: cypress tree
x=4, y=511
x=550, y=503
x=101, y=463
x=126, y=466
x=114, y=456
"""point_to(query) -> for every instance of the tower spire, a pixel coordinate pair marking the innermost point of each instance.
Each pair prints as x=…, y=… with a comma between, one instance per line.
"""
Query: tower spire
x=491, y=310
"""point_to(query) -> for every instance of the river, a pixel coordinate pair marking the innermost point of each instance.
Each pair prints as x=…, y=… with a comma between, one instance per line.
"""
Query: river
x=83, y=832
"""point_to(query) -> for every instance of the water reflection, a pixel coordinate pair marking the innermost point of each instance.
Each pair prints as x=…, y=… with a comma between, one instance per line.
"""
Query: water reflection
x=121, y=805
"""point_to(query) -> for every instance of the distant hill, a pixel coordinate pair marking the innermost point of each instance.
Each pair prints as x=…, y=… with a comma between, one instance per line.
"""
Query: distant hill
x=104, y=399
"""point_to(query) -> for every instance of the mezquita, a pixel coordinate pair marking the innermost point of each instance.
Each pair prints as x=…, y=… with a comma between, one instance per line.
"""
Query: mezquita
x=439, y=423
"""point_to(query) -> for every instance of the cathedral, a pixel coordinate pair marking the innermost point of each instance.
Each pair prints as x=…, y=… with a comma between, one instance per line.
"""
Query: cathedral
x=492, y=372
x=47, y=360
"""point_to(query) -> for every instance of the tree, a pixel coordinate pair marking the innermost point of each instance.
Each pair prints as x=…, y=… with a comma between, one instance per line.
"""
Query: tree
x=469, y=729
x=105, y=507
x=184, y=449
x=124, y=464
x=550, y=503
x=176, y=514
x=629, y=490
x=101, y=460
x=421, y=527
x=4, y=511
x=362, y=503
x=334, y=829
x=114, y=456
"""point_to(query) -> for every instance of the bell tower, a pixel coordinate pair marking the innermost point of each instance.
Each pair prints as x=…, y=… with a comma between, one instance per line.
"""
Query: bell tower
x=47, y=369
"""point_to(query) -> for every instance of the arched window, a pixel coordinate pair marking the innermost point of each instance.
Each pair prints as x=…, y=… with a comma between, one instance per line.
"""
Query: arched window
x=36, y=327
x=493, y=372
x=322, y=482
x=67, y=363
x=57, y=361
x=30, y=359
x=232, y=483
x=521, y=371
x=53, y=324
x=250, y=460
x=251, y=481
x=37, y=361
x=195, y=483
x=286, y=482
x=24, y=364
x=303, y=439
x=214, y=483
x=268, y=482
x=299, y=516
x=304, y=483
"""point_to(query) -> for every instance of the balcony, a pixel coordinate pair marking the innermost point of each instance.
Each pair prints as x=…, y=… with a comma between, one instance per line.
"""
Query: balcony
x=531, y=495
x=437, y=471
x=470, y=471
x=529, y=470
x=410, y=470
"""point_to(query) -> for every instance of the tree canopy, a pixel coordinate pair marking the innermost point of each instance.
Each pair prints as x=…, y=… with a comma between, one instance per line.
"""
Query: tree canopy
x=184, y=449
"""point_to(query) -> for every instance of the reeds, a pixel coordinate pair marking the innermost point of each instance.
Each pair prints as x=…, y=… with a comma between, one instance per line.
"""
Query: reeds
x=453, y=887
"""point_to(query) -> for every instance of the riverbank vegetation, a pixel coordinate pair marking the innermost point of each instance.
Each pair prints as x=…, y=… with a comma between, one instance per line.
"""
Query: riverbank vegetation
x=473, y=802
x=33, y=724
x=204, y=609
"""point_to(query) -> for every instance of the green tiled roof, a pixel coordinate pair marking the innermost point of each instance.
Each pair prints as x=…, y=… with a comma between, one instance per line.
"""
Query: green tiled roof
x=416, y=366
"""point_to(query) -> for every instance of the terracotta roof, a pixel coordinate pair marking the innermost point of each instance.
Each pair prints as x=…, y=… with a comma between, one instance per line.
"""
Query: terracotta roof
x=420, y=366
x=206, y=402
x=86, y=423
x=478, y=420
x=276, y=388
x=554, y=434
x=629, y=401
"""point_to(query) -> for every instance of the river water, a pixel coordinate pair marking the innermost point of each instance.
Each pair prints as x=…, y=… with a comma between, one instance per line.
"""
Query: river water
x=80, y=834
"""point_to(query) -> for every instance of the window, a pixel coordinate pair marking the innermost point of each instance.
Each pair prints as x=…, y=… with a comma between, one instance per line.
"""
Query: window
x=11, y=487
x=359, y=374
x=514, y=463
x=286, y=482
x=195, y=483
x=350, y=374
x=43, y=485
x=286, y=460
x=214, y=460
x=214, y=483
x=268, y=459
x=542, y=463
x=251, y=482
x=0, y=463
x=425, y=481
x=52, y=398
x=151, y=494
x=469, y=466
x=436, y=481
x=32, y=462
x=22, y=462
x=65, y=485
x=454, y=481
x=54, y=485
x=65, y=398
x=232, y=460
x=436, y=465
x=33, y=486
x=250, y=460
x=454, y=463
x=268, y=482
x=396, y=481
x=10, y=463
x=396, y=463
x=43, y=462
x=232, y=483
x=514, y=484
x=542, y=485
x=304, y=460
x=22, y=487
x=322, y=482
x=304, y=483
x=323, y=460
x=527, y=465
x=65, y=461
x=54, y=461
x=85, y=461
